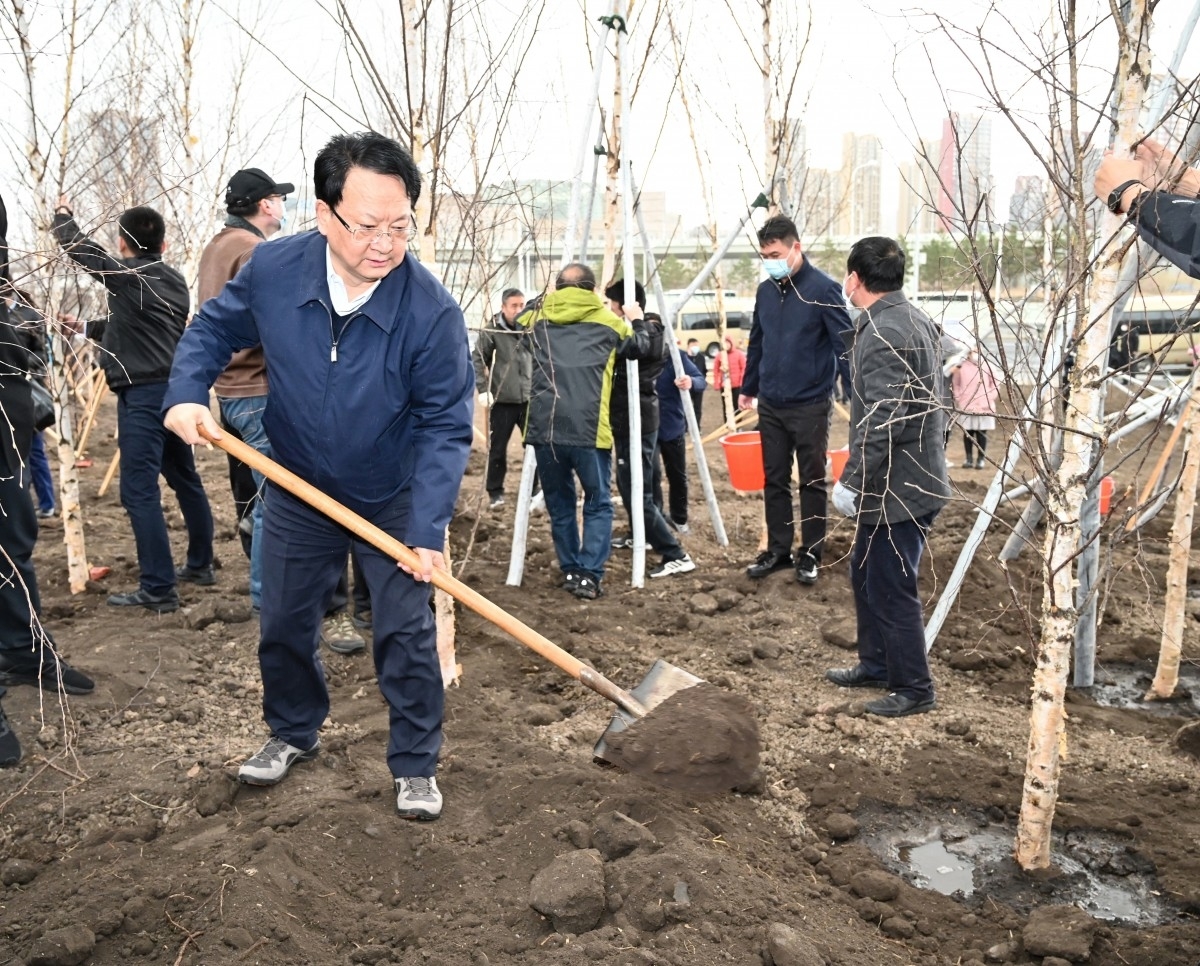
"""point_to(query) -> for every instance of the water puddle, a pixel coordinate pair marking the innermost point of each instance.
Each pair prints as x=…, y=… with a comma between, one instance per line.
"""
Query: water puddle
x=1125, y=685
x=966, y=856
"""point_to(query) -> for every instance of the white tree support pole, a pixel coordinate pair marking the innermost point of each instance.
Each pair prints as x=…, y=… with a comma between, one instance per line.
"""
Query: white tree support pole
x=570, y=243
x=516, y=559
x=598, y=152
x=637, y=516
x=689, y=411
x=1168, y=407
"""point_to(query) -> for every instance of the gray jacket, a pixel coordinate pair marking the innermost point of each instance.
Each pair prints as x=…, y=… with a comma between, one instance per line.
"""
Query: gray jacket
x=503, y=362
x=897, y=426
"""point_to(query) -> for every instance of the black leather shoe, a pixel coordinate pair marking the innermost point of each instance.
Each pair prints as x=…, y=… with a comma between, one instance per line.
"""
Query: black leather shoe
x=163, y=604
x=50, y=672
x=768, y=562
x=854, y=677
x=897, y=706
x=203, y=576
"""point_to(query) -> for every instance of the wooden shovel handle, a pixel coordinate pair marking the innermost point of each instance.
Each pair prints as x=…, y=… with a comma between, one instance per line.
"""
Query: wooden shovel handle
x=398, y=551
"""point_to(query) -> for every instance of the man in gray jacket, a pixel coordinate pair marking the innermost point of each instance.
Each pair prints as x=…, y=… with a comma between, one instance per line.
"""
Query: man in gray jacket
x=895, y=480
x=503, y=370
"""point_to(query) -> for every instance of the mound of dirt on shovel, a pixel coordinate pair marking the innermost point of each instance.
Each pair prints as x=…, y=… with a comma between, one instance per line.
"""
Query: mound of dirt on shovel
x=701, y=741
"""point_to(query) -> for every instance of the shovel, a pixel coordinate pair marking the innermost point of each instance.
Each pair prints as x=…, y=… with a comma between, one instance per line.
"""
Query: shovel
x=663, y=680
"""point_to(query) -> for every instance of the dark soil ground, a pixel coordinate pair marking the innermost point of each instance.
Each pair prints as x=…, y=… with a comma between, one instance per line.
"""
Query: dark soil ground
x=123, y=838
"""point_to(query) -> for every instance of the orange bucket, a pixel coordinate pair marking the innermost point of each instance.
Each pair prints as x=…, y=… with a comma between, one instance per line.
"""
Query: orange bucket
x=743, y=456
x=837, y=462
x=1106, y=492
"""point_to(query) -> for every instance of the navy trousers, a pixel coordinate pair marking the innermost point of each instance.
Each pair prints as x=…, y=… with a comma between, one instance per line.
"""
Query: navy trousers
x=148, y=448
x=304, y=554
x=891, y=625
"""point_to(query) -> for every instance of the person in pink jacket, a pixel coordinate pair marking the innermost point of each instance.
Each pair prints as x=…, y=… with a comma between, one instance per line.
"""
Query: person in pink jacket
x=975, y=394
x=737, y=369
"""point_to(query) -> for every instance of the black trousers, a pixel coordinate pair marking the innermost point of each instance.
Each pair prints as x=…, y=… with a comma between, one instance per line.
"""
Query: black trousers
x=658, y=534
x=795, y=434
x=974, y=438
x=891, y=625
x=674, y=465
x=502, y=420
x=18, y=580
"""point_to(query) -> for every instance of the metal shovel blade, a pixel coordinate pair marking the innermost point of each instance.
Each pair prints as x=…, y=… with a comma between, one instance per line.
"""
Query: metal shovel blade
x=662, y=681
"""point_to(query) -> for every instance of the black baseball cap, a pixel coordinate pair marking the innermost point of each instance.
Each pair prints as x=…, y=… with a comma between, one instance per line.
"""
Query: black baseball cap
x=253, y=184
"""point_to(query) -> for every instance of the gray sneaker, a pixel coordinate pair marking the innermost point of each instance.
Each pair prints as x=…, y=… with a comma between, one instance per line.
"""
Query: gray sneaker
x=418, y=798
x=339, y=634
x=271, y=762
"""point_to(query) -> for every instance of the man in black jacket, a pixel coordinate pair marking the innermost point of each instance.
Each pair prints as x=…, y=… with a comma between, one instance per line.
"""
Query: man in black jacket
x=1159, y=194
x=794, y=357
x=147, y=310
x=675, y=559
x=27, y=652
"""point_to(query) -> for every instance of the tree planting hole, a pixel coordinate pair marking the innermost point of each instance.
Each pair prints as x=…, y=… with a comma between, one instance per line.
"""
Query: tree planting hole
x=969, y=856
x=1125, y=686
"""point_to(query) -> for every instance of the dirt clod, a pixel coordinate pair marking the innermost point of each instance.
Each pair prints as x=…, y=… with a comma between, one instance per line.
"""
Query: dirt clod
x=69, y=946
x=570, y=891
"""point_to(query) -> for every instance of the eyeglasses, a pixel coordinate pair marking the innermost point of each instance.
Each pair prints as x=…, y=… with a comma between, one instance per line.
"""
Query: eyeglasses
x=374, y=234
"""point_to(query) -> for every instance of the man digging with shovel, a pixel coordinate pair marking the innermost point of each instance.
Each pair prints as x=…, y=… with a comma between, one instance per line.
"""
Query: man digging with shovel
x=371, y=401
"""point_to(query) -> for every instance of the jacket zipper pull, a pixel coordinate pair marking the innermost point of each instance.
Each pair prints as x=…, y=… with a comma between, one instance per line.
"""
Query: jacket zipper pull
x=333, y=353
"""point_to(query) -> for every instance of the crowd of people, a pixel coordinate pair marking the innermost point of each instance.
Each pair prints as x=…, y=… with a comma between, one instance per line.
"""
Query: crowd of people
x=347, y=362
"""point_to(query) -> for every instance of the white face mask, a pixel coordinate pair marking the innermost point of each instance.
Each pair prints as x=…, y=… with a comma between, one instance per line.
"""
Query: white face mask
x=850, y=306
x=283, y=214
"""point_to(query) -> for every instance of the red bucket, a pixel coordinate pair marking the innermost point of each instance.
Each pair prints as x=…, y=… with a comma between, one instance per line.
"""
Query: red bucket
x=743, y=456
x=837, y=462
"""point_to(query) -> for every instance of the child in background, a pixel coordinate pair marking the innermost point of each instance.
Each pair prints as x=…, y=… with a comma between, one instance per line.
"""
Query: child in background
x=975, y=393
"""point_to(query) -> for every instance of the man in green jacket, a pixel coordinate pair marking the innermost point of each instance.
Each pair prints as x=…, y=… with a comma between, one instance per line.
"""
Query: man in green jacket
x=576, y=342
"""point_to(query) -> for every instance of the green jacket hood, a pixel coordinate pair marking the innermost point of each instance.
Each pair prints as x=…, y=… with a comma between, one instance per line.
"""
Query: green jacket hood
x=577, y=305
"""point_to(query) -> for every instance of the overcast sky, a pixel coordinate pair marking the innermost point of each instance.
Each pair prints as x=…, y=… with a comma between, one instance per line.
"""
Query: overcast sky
x=870, y=66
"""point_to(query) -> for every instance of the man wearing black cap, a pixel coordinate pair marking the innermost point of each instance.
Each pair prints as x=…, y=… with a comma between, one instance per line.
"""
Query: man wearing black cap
x=254, y=203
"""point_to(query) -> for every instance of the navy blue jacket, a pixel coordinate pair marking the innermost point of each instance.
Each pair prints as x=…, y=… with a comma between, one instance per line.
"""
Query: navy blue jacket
x=393, y=413
x=672, y=423
x=796, y=346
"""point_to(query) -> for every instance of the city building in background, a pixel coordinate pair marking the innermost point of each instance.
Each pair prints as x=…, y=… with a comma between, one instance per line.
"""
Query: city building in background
x=965, y=170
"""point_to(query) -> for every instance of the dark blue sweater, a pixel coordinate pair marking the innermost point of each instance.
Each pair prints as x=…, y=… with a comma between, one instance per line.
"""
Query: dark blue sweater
x=796, y=345
x=389, y=411
x=672, y=423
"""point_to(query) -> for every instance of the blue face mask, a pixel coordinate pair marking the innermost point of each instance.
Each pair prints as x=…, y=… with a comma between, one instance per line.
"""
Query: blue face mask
x=777, y=268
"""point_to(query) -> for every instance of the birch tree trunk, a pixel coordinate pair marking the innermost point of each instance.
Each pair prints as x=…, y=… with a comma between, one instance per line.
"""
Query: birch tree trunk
x=612, y=195
x=1047, y=734
x=1166, y=678
x=38, y=163
x=771, y=120
x=415, y=20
